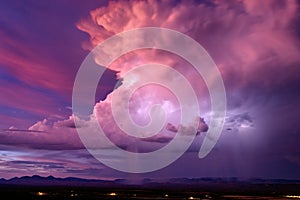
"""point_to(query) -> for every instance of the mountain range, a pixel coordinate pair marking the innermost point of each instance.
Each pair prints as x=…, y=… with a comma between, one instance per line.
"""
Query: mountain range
x=36, y=180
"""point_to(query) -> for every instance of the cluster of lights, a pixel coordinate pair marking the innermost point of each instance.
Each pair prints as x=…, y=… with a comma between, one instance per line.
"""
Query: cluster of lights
x=112, y=194
x=165, y=195
x=41, y=193
x=293, y=196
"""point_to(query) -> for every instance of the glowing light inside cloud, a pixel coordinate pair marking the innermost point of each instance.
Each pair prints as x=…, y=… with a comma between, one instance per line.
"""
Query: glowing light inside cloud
x=245, y=126
x=144, y=98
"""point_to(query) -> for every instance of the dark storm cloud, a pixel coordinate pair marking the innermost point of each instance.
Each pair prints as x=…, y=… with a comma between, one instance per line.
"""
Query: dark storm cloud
x=202, y=127
x=161, y=138
x=239, y=120
x=21, y=130
x=41, y=139
x=44, y=165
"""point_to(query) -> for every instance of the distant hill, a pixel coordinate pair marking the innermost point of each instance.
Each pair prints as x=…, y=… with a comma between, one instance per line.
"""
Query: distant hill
x=52, y=181
x=174, y=183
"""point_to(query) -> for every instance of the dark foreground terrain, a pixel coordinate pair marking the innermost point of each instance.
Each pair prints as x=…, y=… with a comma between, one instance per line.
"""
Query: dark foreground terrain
x=45, y=193
x=48, y=188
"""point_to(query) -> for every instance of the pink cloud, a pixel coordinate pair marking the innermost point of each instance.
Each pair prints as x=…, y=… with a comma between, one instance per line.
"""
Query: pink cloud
x=73, y=163
x=251, y=43
x=243, y=37
x=31, y=67
x=13, y=120
x=43, y=135
x=24, y=98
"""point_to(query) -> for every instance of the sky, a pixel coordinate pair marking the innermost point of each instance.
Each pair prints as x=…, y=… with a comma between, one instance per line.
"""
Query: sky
x=254, y=44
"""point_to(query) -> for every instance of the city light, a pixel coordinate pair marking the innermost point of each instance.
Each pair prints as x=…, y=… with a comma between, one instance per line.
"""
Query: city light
x=112, y=194
x=293, y=196
x=41, y=193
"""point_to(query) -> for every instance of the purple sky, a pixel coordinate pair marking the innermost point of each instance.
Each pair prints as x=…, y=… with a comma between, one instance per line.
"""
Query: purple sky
x=255, y=44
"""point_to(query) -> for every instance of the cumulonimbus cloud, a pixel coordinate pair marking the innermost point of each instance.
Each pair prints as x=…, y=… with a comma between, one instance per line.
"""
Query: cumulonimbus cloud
x=245, y=38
